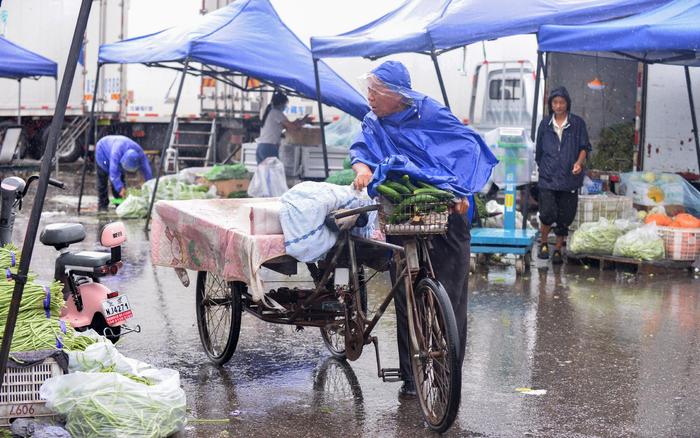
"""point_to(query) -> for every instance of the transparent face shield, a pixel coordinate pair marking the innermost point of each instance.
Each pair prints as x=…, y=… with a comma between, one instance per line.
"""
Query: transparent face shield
x=383, y=98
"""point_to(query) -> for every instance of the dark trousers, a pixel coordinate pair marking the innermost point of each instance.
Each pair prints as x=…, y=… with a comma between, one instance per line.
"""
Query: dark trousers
x=103, y=188
x=450, y=259
x=266, y=150
x=558, y=207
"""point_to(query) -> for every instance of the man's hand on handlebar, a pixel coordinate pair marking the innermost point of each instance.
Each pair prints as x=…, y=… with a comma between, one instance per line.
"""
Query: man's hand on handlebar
x=461, y=206
x=363, y=175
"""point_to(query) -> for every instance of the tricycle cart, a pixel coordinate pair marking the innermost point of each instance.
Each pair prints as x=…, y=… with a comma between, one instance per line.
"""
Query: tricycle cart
x=212, y=237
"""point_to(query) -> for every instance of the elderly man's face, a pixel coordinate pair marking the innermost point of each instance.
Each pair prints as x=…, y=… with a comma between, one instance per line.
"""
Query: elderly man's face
x=382, y=100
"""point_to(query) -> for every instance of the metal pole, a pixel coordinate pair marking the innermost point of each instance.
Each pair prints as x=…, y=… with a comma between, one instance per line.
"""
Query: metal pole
x=692, y=113
x=30, y=236
x=320, y=117
x=19, y=101
x=533, y=127
x=439, y=76
x=92, y=128
x=643, y=122
x=166, y=142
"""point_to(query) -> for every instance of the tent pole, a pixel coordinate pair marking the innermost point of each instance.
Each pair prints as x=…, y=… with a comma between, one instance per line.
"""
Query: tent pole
x=19, y=101
x=433, y=56
x=166, y=142
x=643, y=121
x=692, y=113
x=533, y=126
x=320, y=117
x=92, y=129
x=20, y=278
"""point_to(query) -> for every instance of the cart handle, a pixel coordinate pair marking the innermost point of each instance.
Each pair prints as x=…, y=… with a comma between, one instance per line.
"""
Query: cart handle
x=355, y=211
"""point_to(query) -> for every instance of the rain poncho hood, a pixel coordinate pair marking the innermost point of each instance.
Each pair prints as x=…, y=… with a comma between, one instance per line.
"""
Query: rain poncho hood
x=424, y=140
x=131, y=161
x=559, y=92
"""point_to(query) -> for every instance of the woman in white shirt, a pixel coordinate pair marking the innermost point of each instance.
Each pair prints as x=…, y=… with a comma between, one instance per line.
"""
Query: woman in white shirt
x=273, y=122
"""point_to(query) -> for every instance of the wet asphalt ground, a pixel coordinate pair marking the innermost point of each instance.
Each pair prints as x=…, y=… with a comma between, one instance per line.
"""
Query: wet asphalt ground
x=617, y=354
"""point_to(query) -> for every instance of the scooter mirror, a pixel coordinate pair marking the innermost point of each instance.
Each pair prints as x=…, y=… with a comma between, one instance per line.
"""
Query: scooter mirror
x=113, y=235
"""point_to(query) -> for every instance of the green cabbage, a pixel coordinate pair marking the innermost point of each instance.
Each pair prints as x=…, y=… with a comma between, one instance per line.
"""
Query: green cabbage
x=642, y=244
x=595, y=238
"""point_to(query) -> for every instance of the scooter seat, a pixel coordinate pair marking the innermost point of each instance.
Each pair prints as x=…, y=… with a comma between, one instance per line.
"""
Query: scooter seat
x=85, y=259
x=62, y=235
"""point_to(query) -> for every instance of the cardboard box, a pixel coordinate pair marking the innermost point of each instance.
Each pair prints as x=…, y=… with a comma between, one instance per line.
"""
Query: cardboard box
x=308, y=136
x=225, y=187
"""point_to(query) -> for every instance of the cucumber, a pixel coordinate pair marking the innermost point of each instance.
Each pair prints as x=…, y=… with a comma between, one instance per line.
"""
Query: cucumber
x=398, y=187
x=425, y=185
x=442, y=194
x=416, y=200
x=389, y=193
x=398, y=217
x=407, y=182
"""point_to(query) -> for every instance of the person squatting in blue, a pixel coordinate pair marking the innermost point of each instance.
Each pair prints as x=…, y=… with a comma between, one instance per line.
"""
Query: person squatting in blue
x=114, y=155
x=407, y=132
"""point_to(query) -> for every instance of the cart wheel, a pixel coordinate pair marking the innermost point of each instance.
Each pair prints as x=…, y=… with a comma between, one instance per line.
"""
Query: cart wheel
x=333, y=335
x=436, y=370
x=522, y=264
x=218, y=315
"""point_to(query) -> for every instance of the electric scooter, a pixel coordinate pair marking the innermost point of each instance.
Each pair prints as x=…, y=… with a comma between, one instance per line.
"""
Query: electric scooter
x=89, y=304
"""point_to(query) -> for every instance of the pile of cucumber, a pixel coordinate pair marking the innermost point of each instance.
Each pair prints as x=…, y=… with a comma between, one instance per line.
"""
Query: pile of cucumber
x=413, y=200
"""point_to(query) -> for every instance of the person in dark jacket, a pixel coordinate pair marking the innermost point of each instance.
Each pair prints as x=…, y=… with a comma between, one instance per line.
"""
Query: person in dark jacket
x=561, y=150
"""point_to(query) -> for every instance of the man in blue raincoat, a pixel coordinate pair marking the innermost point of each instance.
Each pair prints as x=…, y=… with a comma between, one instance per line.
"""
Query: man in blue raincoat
x=114, y=155
x=409, y=133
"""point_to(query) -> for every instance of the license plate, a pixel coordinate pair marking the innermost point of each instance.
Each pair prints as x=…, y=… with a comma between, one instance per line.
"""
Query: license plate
x=116, y=310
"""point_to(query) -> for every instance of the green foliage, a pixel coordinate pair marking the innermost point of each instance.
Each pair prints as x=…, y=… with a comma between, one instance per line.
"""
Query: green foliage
x=615, y=148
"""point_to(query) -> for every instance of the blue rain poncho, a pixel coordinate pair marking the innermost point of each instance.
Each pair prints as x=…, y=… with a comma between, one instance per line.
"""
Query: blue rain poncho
x=424, y=140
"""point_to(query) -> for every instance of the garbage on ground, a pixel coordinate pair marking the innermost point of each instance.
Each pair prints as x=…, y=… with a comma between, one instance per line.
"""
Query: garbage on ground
x=596, y=237
x=530, y=391
x=109, y=395
x=269, y=180
x=642, y=243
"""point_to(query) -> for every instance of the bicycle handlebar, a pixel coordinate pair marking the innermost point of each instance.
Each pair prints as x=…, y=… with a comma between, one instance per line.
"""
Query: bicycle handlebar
x=53, y=182
x=355, y=211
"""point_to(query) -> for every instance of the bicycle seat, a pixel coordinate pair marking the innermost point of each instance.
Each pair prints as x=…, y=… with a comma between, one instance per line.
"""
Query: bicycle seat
x=61, y=235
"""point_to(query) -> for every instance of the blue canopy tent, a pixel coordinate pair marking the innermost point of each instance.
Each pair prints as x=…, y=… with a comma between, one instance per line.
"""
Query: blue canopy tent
x=18, y=63
x=435, y=26
x=669, y=34
x=245, y=38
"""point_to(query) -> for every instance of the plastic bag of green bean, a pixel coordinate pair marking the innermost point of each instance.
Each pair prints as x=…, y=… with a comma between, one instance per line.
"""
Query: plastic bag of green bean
x=109, y=395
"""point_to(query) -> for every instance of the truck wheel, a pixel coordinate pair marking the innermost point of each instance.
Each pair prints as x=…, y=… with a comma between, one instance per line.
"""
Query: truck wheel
x=67, y=154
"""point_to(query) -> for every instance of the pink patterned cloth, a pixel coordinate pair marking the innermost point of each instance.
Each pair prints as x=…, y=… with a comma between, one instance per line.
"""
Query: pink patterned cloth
x=213, y=235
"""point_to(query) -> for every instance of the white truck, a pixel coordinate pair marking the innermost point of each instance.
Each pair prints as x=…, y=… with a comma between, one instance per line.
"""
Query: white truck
x=133, y=100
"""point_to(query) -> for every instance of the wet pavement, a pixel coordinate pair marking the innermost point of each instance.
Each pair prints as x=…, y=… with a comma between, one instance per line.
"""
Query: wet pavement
x=617, y=354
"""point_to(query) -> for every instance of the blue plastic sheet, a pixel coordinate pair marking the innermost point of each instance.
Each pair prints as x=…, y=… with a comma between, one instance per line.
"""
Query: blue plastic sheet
x=435, y=25
x=246, y=36
x=17, y=62
x=669, y=34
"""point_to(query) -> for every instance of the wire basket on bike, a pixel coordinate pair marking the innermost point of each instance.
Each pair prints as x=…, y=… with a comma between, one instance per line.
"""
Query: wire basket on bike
x=409, y=209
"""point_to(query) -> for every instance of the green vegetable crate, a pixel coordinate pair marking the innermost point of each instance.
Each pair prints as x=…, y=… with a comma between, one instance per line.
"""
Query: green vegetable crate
x=19, y=397
x=410, y=209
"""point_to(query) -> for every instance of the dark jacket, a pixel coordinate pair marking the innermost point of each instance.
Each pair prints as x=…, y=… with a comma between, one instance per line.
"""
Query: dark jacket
x=555, y=159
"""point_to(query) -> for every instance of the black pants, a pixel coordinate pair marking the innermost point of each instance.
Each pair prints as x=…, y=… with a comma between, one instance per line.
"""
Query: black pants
x=103, y=188
x=450, y=259
x=558, y=207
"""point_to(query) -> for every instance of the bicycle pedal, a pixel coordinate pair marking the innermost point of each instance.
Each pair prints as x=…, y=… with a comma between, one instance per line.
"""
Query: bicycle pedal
x=390, y=374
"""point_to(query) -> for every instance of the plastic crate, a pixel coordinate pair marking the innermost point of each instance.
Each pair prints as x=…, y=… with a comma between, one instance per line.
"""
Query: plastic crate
x=19, y=397
x=593, y=207
x=681, y=243
x=427, y=219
